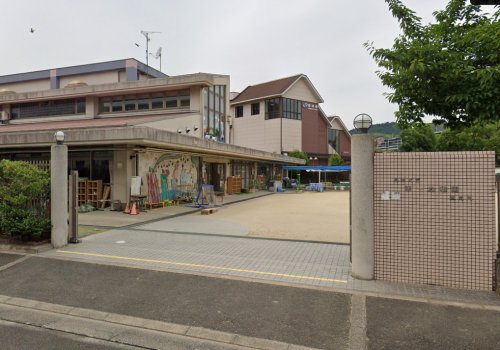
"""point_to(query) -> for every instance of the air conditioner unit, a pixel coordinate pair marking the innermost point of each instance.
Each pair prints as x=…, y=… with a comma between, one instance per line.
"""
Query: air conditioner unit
x=4, y=116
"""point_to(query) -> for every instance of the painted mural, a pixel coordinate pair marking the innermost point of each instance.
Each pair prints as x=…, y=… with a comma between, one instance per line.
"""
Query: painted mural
x=170, y=176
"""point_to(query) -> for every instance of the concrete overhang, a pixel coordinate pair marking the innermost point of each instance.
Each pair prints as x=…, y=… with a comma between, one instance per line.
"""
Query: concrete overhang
x=131, y=87
x=140, y=136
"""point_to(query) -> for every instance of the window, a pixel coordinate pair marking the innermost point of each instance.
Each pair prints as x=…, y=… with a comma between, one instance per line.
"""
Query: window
x=214, y=112
x=171, y=102
x=292, y=109
x=157, y=101
x=334, y=139
x=143, y=102
x=273, y=108
x=184, y=99
x=116, y=105
x=255, y=108
x=239, y=111
x=130, y=103
x=48, y=108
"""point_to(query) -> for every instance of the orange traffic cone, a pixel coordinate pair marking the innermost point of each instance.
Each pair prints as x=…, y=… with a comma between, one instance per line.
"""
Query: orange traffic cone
x=127, y=209
x=133, y=211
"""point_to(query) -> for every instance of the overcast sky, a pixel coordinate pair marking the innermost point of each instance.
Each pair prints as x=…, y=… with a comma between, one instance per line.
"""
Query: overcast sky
x=253, y=41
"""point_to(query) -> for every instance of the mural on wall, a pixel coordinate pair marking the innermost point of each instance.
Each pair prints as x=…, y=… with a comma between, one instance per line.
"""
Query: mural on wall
x=169, y=176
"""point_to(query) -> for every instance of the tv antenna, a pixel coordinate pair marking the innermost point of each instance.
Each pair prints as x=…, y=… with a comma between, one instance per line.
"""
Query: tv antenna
x=147, y=34
x=157, y=55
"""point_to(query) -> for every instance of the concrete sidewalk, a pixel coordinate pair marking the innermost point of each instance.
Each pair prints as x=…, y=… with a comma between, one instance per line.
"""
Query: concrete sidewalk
x=113, y=219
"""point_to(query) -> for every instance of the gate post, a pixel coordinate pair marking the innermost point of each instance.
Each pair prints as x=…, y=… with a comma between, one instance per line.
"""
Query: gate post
x=362, y=242
x=59, y=192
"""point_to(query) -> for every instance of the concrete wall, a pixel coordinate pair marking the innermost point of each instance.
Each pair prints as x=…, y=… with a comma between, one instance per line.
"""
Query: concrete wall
x=179, y=121
x=33, y=85
x=435, y=218
x=91, y=78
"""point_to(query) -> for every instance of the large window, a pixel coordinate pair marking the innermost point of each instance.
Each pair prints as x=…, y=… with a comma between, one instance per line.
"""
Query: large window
x=214, y=112
x=283, y=108
x=142, y=102
x=334, y=139
x=273, y=108
x=255, y=108
x=48, y=108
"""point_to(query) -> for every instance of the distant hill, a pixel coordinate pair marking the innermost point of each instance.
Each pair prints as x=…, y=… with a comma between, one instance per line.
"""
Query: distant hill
x=390, y=130
x=387, y=130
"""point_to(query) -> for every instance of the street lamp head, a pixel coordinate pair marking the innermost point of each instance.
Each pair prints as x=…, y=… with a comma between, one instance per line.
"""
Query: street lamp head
x=362, y=122
x=59, y=137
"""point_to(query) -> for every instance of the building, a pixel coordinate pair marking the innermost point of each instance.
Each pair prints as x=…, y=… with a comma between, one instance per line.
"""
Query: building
x=123, y=119
x=284, y=115
x=339, y=138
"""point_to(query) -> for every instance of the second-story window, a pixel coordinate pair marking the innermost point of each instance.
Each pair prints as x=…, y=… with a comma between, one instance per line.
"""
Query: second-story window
x=255, y=108
x=239, y=111
x=48, y=108
x=144, y=102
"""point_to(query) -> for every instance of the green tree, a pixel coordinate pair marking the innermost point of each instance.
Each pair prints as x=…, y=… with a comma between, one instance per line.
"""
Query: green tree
x=448, y=69
x=300, y=155
x=335, y=159
x=24, y=192
x=478, y=137
x=418, y=138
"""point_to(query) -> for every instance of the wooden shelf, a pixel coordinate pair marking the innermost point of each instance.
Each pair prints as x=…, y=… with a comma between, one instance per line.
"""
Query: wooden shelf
x=82, y=192
x=94, y=191
x=233, y=184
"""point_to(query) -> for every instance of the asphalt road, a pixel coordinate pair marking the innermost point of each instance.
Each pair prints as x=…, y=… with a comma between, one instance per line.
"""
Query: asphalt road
x=293, y=315
x=398, y=324
x=8, y=258
x=21, y=337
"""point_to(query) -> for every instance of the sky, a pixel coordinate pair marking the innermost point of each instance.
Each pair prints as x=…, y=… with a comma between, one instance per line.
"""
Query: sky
x=253, y=41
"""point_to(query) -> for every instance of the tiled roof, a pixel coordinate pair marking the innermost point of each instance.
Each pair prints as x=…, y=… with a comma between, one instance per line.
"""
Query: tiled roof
x=79, y=124
x=271, y=88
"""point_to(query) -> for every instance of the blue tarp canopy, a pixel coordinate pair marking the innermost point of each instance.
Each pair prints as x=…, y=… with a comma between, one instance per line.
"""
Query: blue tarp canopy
x=326, y=168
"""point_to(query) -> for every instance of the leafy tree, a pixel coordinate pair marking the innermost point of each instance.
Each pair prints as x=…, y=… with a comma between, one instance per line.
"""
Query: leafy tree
x=418, y=138
x=335, y=159
x=476, y=138
x=449, y=69
x=300, y=155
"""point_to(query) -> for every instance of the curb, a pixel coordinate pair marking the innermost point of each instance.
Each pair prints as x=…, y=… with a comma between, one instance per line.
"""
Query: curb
x=147, y=324
x=17, y=248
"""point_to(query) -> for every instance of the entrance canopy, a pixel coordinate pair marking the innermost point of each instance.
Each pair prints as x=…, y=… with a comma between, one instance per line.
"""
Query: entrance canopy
x=322, y=168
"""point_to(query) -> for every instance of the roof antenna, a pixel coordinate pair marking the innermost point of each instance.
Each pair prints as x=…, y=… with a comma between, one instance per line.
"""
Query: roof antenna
x=157, y=55
x=147, y=34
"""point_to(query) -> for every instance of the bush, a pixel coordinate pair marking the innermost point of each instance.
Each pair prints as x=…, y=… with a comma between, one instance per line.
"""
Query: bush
x=24, y=195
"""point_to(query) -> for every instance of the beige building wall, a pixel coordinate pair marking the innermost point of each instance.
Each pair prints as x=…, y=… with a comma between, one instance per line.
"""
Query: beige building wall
x=254, y=131
x=33, y=85
x=292, y=135
x=250, y=130
x=302, y=92
x=91, y=79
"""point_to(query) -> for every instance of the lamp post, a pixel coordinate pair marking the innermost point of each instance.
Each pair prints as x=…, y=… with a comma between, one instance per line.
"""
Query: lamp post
x=59, y=191
x=362, y=240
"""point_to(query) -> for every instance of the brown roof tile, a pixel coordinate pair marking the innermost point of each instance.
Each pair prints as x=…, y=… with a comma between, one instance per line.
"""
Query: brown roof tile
x=271, y=88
